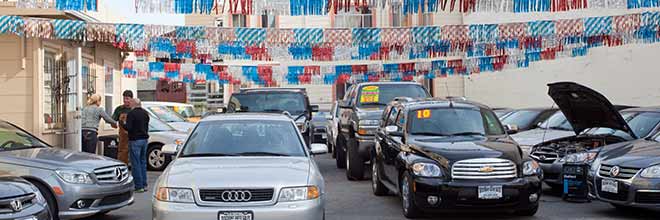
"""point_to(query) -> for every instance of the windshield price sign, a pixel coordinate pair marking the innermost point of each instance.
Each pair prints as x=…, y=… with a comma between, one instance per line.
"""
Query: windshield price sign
x=369, y=94
x=423, y=114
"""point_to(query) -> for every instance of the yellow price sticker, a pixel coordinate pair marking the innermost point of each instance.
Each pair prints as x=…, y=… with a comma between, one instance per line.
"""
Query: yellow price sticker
x=369, y=94
x=423, y=114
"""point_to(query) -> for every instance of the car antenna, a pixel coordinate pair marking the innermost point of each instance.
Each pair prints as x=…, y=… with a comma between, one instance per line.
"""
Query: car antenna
x=546, y=130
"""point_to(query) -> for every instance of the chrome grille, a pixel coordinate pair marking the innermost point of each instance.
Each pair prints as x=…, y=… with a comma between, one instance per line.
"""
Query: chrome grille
x=111, y=175
x=255, y=195
x=544, y=155
x=25, y=200
x=624, y=172
x=484, y=168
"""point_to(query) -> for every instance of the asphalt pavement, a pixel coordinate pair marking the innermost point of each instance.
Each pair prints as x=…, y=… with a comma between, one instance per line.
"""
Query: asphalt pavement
x=354, y=200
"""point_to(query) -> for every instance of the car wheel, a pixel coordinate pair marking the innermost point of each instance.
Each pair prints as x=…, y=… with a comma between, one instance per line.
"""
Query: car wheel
x=410, y=210
x=50, y=200
x=341, y=152
x=333, y=150
x=376, y=185
x=528, y=212
x=354, y=163
x=156, y=159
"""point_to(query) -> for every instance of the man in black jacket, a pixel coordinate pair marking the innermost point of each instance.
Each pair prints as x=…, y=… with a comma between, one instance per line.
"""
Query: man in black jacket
x=137, y=125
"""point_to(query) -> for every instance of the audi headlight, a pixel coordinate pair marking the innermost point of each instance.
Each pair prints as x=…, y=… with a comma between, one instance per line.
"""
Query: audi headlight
x=180, y=195
x=531, y=168
x=651, y=172
x=579, y=157
x=426, y=170
x=369, y=122
x=74, y=176
x=299, y=193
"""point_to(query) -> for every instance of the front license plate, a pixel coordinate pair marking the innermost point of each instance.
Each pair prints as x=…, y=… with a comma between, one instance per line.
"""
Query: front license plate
x=610, y=186
x=490, y=192
x=246, y=215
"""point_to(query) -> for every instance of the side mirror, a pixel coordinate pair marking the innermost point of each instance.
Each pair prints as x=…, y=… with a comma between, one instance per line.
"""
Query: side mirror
x=170, y=149
x=511, y=129
x=394, y=131
x=315, y=108
x=343, y=104
x=319, y=149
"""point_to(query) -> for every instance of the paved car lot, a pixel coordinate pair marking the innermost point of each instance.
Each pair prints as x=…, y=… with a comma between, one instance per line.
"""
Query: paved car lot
x=354, y=200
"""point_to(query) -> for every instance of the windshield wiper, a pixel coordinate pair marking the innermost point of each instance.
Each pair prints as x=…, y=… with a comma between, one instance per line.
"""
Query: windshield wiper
x=467, y=133
x=429, y=134
x=209, y=155
x=262, y=154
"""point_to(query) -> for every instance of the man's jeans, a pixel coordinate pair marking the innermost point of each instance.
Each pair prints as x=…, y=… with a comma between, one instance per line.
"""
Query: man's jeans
x=138, y=157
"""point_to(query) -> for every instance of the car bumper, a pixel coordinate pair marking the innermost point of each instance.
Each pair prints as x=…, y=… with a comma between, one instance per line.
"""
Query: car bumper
x=102, y=198
x=311, y=209
x=459, y=196
x=552, y=172
x=636, y=192
x=35, y=212
x=320, y=137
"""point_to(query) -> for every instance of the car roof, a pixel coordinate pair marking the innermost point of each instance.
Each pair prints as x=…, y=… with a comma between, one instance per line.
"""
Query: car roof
x=262, y=90
x=439, y=102
x=643, y=109
x=248, y=116
x=536, y=109
x=387, y=83
x=166, y=103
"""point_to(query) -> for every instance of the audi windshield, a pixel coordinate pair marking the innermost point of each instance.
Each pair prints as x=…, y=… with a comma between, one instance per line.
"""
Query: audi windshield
x=244, y=138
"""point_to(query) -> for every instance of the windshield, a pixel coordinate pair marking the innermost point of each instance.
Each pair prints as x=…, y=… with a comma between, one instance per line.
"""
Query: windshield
x=244, y=138
x=454, y=121
x=185, y=111
x=156, y=125
x=381, y=95
x=558, y=121
x=319, y=116
x=522, y=118
x=165, y=114
x=294, y=103
x=12, y=138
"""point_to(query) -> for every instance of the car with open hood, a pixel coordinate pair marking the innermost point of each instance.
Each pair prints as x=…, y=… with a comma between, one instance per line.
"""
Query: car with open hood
x=594, y=121
x=19, y=199
x=74, y=184
x=451, y=156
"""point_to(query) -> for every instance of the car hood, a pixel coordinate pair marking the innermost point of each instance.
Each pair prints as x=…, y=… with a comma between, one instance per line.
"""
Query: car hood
x=537, y=136
x=238, y=172
x=585, y=108
x=182, y=126
x=370, y=113
x=447, y=150
x=11, y=186
x=635, y=154
x=169, y=135
x=53, y=158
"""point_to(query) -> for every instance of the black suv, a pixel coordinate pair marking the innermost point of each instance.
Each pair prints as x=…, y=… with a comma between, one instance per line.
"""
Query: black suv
x=359, y=117
x=293, y=101
x=445, y=155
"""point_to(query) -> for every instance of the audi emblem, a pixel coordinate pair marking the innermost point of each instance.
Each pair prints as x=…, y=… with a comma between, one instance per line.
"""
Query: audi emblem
x=236, y=196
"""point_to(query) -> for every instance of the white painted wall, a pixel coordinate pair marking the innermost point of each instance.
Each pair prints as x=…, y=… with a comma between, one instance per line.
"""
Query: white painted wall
x=626, y=75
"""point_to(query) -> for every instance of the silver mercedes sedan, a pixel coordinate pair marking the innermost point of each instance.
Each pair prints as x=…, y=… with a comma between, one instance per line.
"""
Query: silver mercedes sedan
x=242, y=166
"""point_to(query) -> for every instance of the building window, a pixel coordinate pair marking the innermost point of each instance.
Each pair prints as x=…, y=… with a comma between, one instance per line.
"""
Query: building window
x=239, y=20
x=267, y=19
x=367, y=17
x=89, y=79
x=109, y=88
x=219, y=22
x=55, y=80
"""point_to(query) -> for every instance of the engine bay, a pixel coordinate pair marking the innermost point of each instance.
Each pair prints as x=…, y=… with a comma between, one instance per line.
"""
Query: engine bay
x=549, y=152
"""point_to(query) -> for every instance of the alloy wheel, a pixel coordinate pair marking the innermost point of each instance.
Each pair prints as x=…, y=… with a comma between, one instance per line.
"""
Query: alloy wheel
x=374, y=175
x=156, y=158
x=405, y=193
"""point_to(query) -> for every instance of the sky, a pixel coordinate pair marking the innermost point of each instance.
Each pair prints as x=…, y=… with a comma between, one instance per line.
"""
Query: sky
x=126, y=8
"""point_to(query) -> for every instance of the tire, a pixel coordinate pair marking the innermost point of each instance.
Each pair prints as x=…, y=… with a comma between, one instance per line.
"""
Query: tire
x=333, y=150
x=340, y=152
x=156, y=160
x=354, y=163
x=377, y=186
x=50, y=200
x=410, y=209
x=528, y=212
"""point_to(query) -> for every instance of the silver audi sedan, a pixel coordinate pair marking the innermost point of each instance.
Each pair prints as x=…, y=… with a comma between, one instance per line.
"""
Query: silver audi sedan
x=243, y=166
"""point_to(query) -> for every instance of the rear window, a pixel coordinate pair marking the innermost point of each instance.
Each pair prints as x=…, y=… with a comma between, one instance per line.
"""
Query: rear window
x=380, y=95
x=522, y=118
x=277, y=102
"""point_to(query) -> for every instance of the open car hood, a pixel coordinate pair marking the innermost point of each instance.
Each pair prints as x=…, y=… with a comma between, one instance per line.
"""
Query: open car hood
x=585, y=108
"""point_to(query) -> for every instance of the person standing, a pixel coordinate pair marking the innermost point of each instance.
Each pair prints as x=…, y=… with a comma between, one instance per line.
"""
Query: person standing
x=120, y=114
x=91, y=116
x=137, y=125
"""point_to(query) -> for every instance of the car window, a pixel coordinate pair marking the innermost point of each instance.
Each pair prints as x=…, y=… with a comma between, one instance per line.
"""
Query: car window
x=657, y=137
x=12, y=138
x=400, y=121
x=391, y=119
x=557, y=121
x=319, y=116
x=185, y=111
x=165, y=114
x=381, y=95
x=294, y=103
x=522, y=118
x=156, y=125
x=245, y=138
x=453, y=121
x=644, y=123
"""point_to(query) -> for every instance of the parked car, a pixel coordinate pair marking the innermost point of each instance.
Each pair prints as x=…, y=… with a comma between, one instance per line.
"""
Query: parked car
x=74, y=184
x=502, y=112
x=446, y=156
x=320, y=123
x=19, y=199
x=628, y=174
x=170, y=117
x=359, y=116
x=187, y=111
x=528, y=118
x=242, y=166
x=333, y=128
x=595, y=123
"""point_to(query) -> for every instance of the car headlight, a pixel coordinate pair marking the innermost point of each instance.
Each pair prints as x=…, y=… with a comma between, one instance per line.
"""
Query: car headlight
x=426, y=170
x=180, y=195
x=75, y=177
x=291, y=194
x=579, y=157
x=651, y=172
x=369, y=122
x=531, y=168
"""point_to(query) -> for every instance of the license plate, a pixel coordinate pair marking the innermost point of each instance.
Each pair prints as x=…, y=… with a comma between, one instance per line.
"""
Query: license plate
x=490, y=192
x=610, y=186
x=235, y=215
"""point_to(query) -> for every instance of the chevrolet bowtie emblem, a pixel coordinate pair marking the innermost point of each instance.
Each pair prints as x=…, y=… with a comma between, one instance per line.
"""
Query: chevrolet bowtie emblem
x=486, y=169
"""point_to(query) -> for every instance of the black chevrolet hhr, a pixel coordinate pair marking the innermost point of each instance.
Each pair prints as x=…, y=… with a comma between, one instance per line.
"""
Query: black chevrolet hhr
x=451, y=155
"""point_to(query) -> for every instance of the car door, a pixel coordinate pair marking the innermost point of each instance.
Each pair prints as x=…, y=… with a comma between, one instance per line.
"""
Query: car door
x=391, y=146
x=346, y=111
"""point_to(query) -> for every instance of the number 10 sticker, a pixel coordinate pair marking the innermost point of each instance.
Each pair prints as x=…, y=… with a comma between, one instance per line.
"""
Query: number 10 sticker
x=421, y=114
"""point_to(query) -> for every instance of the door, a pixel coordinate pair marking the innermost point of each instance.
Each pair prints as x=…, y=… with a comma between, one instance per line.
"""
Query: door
x=390, y=147
x=72, y=68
